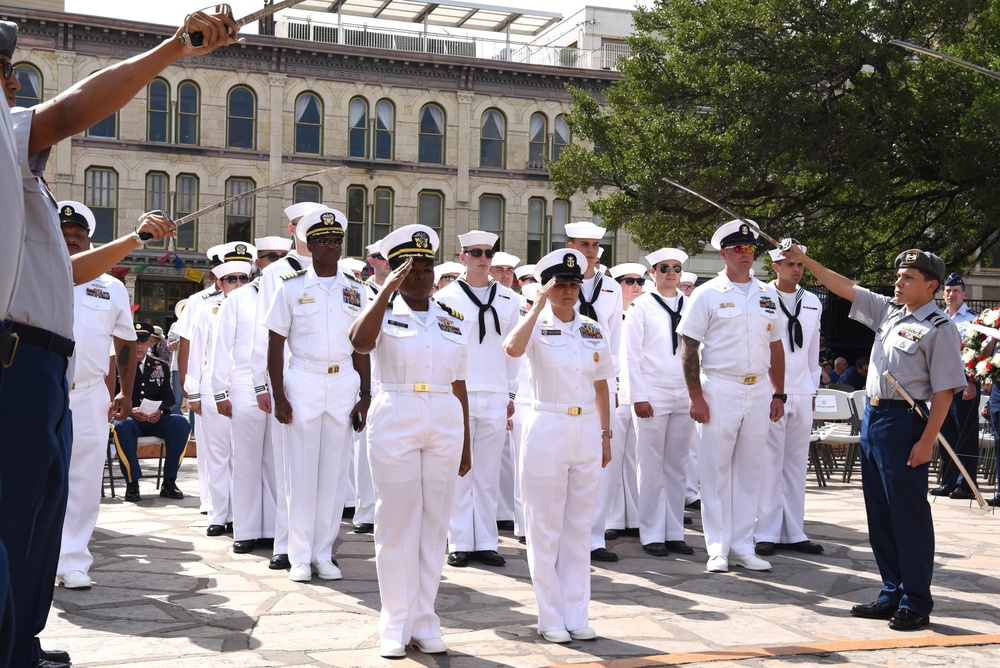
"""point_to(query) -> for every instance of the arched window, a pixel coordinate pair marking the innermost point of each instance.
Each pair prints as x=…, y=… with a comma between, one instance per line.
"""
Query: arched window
x=309, y=124
x=537, y=141
x=561, y=137
x=385, y=130
x=185, y=202
x=30, y=79
x=241, y=125
x=188, y=113
x=357, y=219
x=304, y=191
x=491, y=216
x=357, y=135
x=157, y=111
x=101, y=196
x=430, y=211
x=431, y=148
x=536, y=229
x=240, y=215
x=492, y=139
x=157, y=197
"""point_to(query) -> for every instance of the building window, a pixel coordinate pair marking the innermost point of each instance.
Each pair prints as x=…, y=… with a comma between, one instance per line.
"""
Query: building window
x=430, y=211
x=309, y=124
x=609, y=243
x=538, y=141
x=557, y=229
x=492, y=139
x=431, y=135
x=239, y=215
x=157, y=198
x=561, y=138
x=188, y=113
x=304, y=191
x=101, y=195
x=30, y=79
x=382, y=220
x=358, y=133
x=185, y=202
x=536, y=229
x=157, y=111
x=491, y=217
x=241, y=125
x=357, y=208
x=385, y=130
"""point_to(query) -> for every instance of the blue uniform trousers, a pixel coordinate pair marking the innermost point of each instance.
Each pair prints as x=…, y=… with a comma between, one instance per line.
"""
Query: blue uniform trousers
x=900, y=527
x=35, y=452
x=964, y=439
x=173, y=429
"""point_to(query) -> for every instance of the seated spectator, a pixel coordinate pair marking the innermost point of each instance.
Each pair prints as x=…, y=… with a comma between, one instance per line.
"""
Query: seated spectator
x=839, y=367
x=824, y=352
x=856, y=376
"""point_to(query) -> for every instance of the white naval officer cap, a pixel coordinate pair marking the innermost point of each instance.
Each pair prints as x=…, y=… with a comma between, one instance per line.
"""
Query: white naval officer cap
x=447, y=269
x=477, y=238
x=296, y=211
x=372, y=248
x=502, y=259
x=320, y=223
x=352, y=264
x=237, y=258
x=776, y=255
x=689, y=277
x=215, y=252
x=71, y=211
x=661, y=254
x=585, y=230
x=525, y=271
x=272, y=244
x=626, y=268
x=414, y=240
x=565, y=264
x=733, y=233
x=530, y=291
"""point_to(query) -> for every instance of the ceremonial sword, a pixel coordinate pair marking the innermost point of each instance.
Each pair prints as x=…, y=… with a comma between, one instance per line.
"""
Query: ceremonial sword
x=940, y=437
x=923, y=50
x=782, y=245
x=197, y=38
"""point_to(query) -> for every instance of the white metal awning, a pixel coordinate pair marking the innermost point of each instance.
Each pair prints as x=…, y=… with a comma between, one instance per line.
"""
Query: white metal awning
x=446, y=13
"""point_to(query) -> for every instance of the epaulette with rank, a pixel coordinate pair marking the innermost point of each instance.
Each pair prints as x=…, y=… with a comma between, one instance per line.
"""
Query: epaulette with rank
x=285, y=277
x=452, y=312
x=212, y=294
x=351, y=277
x=939, y=319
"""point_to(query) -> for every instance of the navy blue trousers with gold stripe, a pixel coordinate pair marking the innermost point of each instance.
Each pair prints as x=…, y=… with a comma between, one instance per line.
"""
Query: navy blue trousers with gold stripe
x=173, y=429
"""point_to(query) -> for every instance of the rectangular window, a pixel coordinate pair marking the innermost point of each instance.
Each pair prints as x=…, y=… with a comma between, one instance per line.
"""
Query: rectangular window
x=430, y=212
x=157, y=197
x=382, y=220
x=107, y=128
x=608, y=243
x=186, y=202
x=239, y=215
x=307, y=192
x=560, y=216
x=101, y=195
x=536, y=229
x=491, y=217
x=357, y=208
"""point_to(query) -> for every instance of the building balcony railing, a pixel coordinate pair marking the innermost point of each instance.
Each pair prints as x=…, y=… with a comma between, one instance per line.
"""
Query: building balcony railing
x=464, y=46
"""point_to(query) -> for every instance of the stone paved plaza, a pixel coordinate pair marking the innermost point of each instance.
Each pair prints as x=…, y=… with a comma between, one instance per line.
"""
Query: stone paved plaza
x=167, y=595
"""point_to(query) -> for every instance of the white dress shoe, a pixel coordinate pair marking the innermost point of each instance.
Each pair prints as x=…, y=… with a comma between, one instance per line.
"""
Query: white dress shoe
x=326, y=571
x=561, y=635
x=586, y=633
x=751, y=562
x=300, y=572
x=391, y=649
x=430, y=645
x=717, y=565
x=76, y=580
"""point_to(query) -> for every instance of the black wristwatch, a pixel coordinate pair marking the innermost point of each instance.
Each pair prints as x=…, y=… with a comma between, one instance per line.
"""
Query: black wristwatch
x=783, y=397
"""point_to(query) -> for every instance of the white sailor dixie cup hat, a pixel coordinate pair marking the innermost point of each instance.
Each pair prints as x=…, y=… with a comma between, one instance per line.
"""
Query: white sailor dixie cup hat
x=448, y=268
x=414, y=240
x=477, y=238
x=734, y=233
x=658, y=256
x=296, y=211
x=272, y=244
x=319, y=223
x=502, y=259
x=689, y=277
x=776, y=255
x=525, y=270
x=626, y=268
x=565, y=264
x=585, y=230
x=75, y=212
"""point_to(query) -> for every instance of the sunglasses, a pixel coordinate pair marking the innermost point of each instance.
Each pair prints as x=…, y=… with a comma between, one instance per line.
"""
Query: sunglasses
x=270, y=257
x=376, y=256
x=664, y=268
x=528, y=279
x=328, y=239
x=233, y=280
x=479, y=252
x=8, y=68
x=743, y=248
x=632, y=281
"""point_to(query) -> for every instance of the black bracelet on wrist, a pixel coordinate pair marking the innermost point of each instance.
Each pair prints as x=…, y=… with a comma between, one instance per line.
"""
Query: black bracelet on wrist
x=783, y=397
x=365, y=393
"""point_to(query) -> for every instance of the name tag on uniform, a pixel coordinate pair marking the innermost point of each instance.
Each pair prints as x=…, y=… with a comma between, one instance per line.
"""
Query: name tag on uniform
x=590, y=332
x=352, y=297
x=306, y=300
x=398, y=324
x=727, y=305
x=100, y=294
x=551, y=332
x=448, y=326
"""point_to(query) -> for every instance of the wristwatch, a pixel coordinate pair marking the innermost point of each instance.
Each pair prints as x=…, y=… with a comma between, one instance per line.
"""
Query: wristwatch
x=783, y=397
x=606, y=432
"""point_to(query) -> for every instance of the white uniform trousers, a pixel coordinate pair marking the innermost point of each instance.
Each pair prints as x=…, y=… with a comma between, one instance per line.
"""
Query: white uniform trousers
x=217, y=443
x=89, y=406
x=253, y=469
x=560, y=473
x=364, y=488
x=599, y=522
x=317, y=451
x=731, y=446
x=473, y=525
x=277, y=434
x=505, y=501
x=204, y=491
x=781, y=507
x=415, y=447
x=621, y=509
x=350, y=491
x=663, y=443
x=691, y=493
x=516, y=445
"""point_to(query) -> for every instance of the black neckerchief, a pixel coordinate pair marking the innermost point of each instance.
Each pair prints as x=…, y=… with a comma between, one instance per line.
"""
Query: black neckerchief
x=587, y=307
x=483, y=308
x=675, y=316
x=372, y=286
x=794, y=326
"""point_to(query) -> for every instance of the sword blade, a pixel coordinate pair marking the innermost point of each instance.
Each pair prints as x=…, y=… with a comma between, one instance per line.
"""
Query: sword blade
x=923, y=50
x=725, y=210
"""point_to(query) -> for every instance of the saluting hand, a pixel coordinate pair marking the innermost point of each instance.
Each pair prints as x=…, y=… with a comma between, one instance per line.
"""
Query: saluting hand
x=543, y=294
x=396, y=276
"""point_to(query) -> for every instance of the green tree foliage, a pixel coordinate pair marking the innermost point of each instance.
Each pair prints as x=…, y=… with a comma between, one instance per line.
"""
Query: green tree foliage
x=799, y=115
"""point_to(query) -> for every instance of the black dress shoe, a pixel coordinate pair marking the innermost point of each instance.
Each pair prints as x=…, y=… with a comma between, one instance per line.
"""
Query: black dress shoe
x=875, y=610
x=655, y=549
x=348, y=512
x=168, y=489
x=995, y=501
x=960, y=493
x=505, y=525
x=632, y=532
x=943, y=490
x=45, y=663
x=279, y=562
x=488, y=557
x=610, y=534
x=264, y=543
x=229, y=527
x=907, y=620
x=132, y=492
x=523, y=540
x=688, y=520
x=244, y=546
x=603, y=554
x=458, y=559
x=764, y=549
x=364, y=527
x=679, y=546
x=215, y=530
x=55, y=655
x=804, y=546
x=694, y=505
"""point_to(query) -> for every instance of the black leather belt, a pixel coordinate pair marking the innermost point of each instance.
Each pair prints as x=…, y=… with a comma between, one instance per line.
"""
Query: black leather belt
x=16, y=333
x=879, y=402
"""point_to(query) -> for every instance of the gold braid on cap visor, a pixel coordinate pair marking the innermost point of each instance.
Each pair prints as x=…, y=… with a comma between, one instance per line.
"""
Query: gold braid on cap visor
x=411, y=250
x=323, y=230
